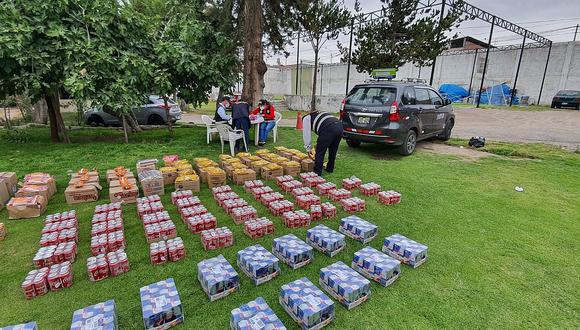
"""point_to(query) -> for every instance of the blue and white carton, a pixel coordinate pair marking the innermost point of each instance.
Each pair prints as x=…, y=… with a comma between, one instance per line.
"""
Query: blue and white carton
x=292, y=251
x=24, y=326
x=358, y=229
x=325, y=240
x=217, y=277
x=307, y=304
x=161, y=305
x=100, y=316
x=255, y=315
x=376, y=266
x=405, y=250
x=344, y=284
x=258, y=263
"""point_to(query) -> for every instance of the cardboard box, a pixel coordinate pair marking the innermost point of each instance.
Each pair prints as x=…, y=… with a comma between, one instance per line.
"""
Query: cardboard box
x=258, y=264
x=169, y=175
x=117, y=183
x=88, y=192
x=358, y=229
x=325, y=240
x=217, y=277
x=119, y=172
x=292, y=251
x=9, y=180
x=26, y=207
x=307, y=165
x=146, y=165
x=272, y=171
x=405, y=250
x=3, y=231
x=161, y=305
x=25, y=326
x=239, y=176
x=187, y=182
x=122, y=195
x=344, y=284
x=291, y=168
x=100, y=316
x=255, y=315
x=306, y=304
x=41, y=179
x=215, y=177
x=4, y=194
x=31, y=190
x=376, y=266
x=152, y=182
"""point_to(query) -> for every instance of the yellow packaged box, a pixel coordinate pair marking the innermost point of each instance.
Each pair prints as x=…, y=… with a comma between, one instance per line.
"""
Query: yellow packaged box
x=241, y=175
x=169, y=174
x=258, y=165
x=291, y=167
x=215, y=176
x=272, y=171
x=187, y=182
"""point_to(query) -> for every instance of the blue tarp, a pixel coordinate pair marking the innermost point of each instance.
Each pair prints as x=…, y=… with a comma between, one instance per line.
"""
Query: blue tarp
x=500, y=95
x=453, y=92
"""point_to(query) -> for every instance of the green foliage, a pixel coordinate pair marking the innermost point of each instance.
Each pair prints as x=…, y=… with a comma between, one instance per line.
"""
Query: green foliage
x=15, y=136
x=403, y=35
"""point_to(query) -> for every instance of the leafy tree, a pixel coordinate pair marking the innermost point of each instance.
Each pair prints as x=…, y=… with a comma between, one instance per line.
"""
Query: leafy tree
x=320, y=20
x=403, y=35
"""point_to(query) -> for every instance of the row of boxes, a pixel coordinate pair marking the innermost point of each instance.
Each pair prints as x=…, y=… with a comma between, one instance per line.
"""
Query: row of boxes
x=84, y=186
x=122, y=186
x=39, y=282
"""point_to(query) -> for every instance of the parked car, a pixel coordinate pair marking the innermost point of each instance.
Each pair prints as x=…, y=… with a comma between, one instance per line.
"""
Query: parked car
x=567, y=99
x=395, y=113
x=152, y=113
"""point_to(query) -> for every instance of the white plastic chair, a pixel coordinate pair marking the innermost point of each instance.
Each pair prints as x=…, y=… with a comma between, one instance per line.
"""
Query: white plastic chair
x=277, y=118
x=227, y=133
x=210, y=127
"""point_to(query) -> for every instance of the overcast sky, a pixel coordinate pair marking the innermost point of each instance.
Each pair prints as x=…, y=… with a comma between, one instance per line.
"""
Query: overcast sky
x=553, y=19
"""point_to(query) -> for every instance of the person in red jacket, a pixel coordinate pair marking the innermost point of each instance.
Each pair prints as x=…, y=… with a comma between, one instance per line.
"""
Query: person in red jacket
x=267, y=111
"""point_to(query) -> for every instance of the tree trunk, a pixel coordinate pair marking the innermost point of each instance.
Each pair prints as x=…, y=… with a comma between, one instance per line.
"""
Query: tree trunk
x=125, y=127
x=313, y=100
x=133, y=123
x=57, y=127
x=254, y=66
x=39, y=113
x=169, y=121
x=52, y=117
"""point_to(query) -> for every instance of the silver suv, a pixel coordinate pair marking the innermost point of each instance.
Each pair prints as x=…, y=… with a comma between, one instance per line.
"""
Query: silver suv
x=152, y=113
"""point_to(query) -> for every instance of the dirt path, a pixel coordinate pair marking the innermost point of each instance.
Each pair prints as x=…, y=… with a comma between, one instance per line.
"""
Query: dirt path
x=560, y=127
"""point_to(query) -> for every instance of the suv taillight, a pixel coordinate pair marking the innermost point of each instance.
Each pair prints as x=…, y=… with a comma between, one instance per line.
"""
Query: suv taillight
x=394, y=112
x=343, y=104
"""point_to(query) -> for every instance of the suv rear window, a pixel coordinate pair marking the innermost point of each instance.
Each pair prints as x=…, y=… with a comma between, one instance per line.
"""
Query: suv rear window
x=372, y=96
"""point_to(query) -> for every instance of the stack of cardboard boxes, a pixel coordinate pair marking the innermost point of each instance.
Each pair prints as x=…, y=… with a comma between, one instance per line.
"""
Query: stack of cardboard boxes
x=8, y=187
x=122, y=185
x=31, y=199
x=83, y=187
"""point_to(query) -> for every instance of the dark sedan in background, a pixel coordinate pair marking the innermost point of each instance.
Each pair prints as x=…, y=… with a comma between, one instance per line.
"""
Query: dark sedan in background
x=567, y=99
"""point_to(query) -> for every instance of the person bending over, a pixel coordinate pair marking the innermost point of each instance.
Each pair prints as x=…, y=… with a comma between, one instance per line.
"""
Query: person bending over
x=329, y=131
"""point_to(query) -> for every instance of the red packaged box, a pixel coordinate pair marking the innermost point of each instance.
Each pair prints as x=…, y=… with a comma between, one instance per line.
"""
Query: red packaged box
x=389, y=197
x=324, y=188
x=220, y=189
x=258, y=228
x=288, y=186
x=147, y=208
x=111, y=215
x=58, y=217
x=193, y=211
x=282, y=179
x=221, y=197
x=243, y=214
x=314, y=181
x=296, y=219
x=52, y=227
x=217, y=238
x=54, y=254
x=249, y=185
x=316, y=212
x=199, y=223
x=187, y=202
x=339, y=194
x=370, y=189
x=148, y=199
x=175, y=249
x=259, y=191
x=231, y=204
x=328, y=210
x=353, y=204
x=302, y=191
x=180, y=194
x=305, y=201
x=267, y=199
x=106, y=208
x=304, y=176
x=351, y=183
x=118, y=262
x=279, y=207
x=35, y=284
x=59, y=276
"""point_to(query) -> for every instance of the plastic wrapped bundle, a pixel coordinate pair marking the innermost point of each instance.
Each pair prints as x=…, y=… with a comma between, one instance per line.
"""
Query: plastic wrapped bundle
x=258, y=264
x=217, y=277
x=344, y=284
x=255, y=315
x=306, y=304
x=376, y=266
x=405, y=250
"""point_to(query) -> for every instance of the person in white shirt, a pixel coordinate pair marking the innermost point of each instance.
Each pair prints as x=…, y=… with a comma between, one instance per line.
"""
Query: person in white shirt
x=220, y=113
x=329, y=130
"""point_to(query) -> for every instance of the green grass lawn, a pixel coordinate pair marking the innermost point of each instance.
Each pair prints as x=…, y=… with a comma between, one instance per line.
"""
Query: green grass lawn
x=497, y=258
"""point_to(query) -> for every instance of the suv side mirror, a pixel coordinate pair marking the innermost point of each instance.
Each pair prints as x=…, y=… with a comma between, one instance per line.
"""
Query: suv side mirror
x=447, y=102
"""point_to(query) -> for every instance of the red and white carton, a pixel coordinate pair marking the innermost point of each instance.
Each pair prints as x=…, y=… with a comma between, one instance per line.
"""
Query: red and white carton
x=267, y=199
x=389, y=197
x=98, y=268
x=282, y=179
x=106, y=208
x=305, y=201
x=353, y=204
x=302, y=191
x=288, y=186
x=199, y=223
x=118, y=262
x=59, y=276
x=221, y=197
x=148, y=208
x=249, y=185
x=258, y=228
x=221, y=189
x=180, y=194
x=296, y=219
x=305, y=175
x=217, y=238
x=259, y=191
x=36, y=283
x=243, y=214
x=370, y=189
x=186, y=202
x=175, y=249
x=58, y=217
x=279, y=207
x=324, y=188
x=316, y=212
x=193, y=211
x=148, y=199
x=107, y=216
x=158, y=253
x=52, y=227
x=314, y=181
x=231, y=204
x=329, y=210
x=351, y=183
x=339, y=194
x=53, y=254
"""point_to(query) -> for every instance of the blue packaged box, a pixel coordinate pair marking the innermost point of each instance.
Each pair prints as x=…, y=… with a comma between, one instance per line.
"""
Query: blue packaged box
x=344, y=284
x=100, y=316
x=255, y=315
x=376, y=266
x=292, y=251
x=358, y=229
x=258, y=263
x=405, y=250
x=307, y=304
x=161, y=305
x=25, y=326
x=217, y=277
x=325, y=240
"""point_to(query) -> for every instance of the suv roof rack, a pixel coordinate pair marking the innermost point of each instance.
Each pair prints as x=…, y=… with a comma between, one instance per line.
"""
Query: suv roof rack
x=405, y=80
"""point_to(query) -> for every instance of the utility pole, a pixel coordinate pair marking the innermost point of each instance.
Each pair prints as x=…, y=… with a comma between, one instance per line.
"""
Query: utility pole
x=297, y=61
x=576, y=32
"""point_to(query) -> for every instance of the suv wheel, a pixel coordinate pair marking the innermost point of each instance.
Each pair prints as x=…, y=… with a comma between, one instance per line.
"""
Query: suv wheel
x=95, y=121
x=409, y=145
x=155, y=120
x=353, y=143
x=446, y=134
